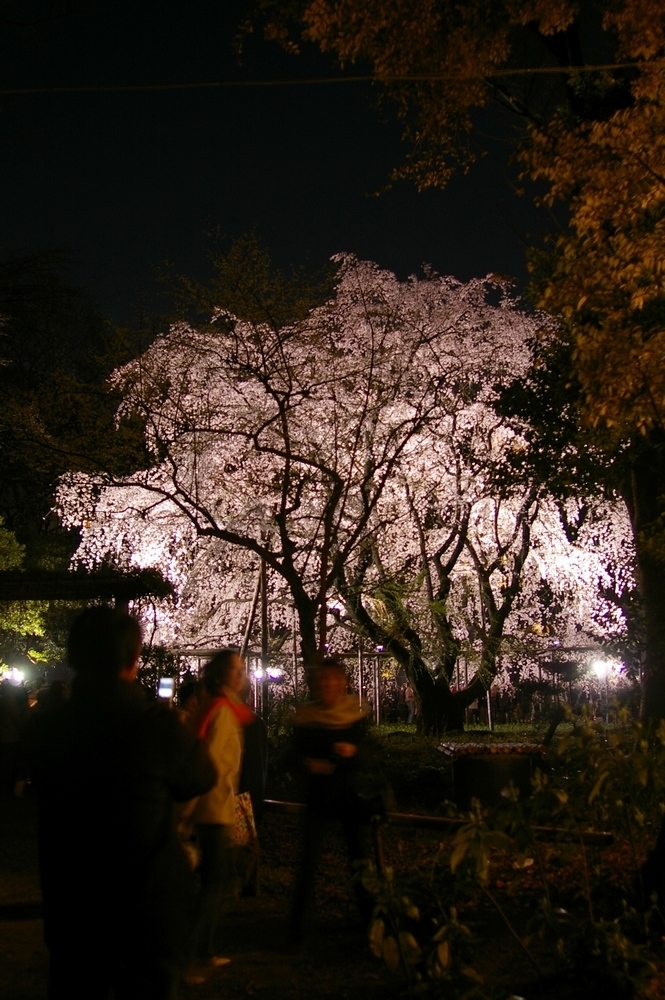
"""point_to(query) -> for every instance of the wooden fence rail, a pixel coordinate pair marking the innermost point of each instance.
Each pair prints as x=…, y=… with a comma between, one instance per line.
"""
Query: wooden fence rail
x=589, y=838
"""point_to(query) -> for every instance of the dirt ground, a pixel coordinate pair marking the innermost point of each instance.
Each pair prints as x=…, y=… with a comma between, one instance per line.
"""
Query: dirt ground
x=335, y=961
x=334, y=964
x=338, y=965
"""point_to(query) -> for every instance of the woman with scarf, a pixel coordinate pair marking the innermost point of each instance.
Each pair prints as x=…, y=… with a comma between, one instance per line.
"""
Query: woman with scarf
x=218, y=719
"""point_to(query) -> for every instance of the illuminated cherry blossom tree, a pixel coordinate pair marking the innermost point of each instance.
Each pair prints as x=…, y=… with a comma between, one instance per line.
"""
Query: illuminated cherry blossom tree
x=281, y=440
x=357, y=454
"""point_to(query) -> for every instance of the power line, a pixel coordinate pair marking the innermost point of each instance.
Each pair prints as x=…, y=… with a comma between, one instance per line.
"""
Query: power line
x=327, y=80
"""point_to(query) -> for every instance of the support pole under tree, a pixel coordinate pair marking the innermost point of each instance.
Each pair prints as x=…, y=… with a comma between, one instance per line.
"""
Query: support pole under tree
x=360, y=674
x=265, y=660
x=294, y=630
x=607, y=693
x=466, y=684
x=252, y=613
x=490, y=717
x=377, y=690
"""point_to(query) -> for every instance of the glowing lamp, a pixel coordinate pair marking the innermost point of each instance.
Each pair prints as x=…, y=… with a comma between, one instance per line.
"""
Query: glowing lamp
x=600, y=667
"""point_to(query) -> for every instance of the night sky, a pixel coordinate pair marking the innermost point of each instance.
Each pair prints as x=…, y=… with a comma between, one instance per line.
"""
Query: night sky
x=126, y=180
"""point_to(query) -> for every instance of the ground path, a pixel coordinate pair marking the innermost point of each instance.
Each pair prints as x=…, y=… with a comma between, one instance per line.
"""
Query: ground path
x=335, y=963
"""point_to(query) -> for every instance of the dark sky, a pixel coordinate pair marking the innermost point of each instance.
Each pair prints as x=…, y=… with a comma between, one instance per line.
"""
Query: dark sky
x=127, y=180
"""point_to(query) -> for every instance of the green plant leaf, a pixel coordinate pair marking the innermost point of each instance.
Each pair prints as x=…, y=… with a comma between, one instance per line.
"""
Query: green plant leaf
x=376, y=932
x=443, y=954
x=459, y=852
x=411, y=950
x=391, y=953
x=600, y=781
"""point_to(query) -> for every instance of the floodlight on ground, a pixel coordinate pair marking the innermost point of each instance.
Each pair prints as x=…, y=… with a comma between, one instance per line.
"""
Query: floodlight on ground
x=601, y=668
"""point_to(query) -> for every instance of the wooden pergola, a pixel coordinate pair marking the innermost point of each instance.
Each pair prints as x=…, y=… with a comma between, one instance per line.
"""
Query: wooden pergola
x=83, y=586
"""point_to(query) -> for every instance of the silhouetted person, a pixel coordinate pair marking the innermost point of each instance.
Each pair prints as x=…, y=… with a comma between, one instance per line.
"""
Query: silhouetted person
x=410, y=701
x=107, y=767
x=186, y=695
x=52, y=696
x=14, y=714
x=254, y=765
x=253, y=772
x=330, y=745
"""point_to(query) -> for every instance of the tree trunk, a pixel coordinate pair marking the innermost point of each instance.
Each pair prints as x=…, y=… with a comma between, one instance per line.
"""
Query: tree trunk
x=652, y=586
x=440, y=709
x=307, y=616
x=645, y=499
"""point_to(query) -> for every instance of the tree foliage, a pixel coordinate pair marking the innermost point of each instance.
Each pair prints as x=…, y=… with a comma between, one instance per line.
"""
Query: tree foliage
x=20, y=621
x=57, y=412
x=440, y=62
x=607, y=280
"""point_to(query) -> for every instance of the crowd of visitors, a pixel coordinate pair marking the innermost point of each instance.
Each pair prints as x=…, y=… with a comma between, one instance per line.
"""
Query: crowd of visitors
x=148, y=813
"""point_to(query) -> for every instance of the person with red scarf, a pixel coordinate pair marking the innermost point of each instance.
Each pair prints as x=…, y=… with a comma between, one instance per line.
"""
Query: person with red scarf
x=218, y=719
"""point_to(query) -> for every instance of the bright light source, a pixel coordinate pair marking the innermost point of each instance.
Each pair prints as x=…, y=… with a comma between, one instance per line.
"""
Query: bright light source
x=601, y=668
x=15, y=675
x=257, y=674
x=275, y=673
x=166, y=688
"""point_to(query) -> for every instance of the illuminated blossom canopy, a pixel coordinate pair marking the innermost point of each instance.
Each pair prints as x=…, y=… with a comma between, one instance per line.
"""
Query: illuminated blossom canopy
x=357, y=452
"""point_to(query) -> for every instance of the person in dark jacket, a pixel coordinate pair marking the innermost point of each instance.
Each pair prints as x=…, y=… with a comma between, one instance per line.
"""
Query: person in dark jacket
x=254, y=767
x=14, y=713
x=330, y=744
x=107, y=767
